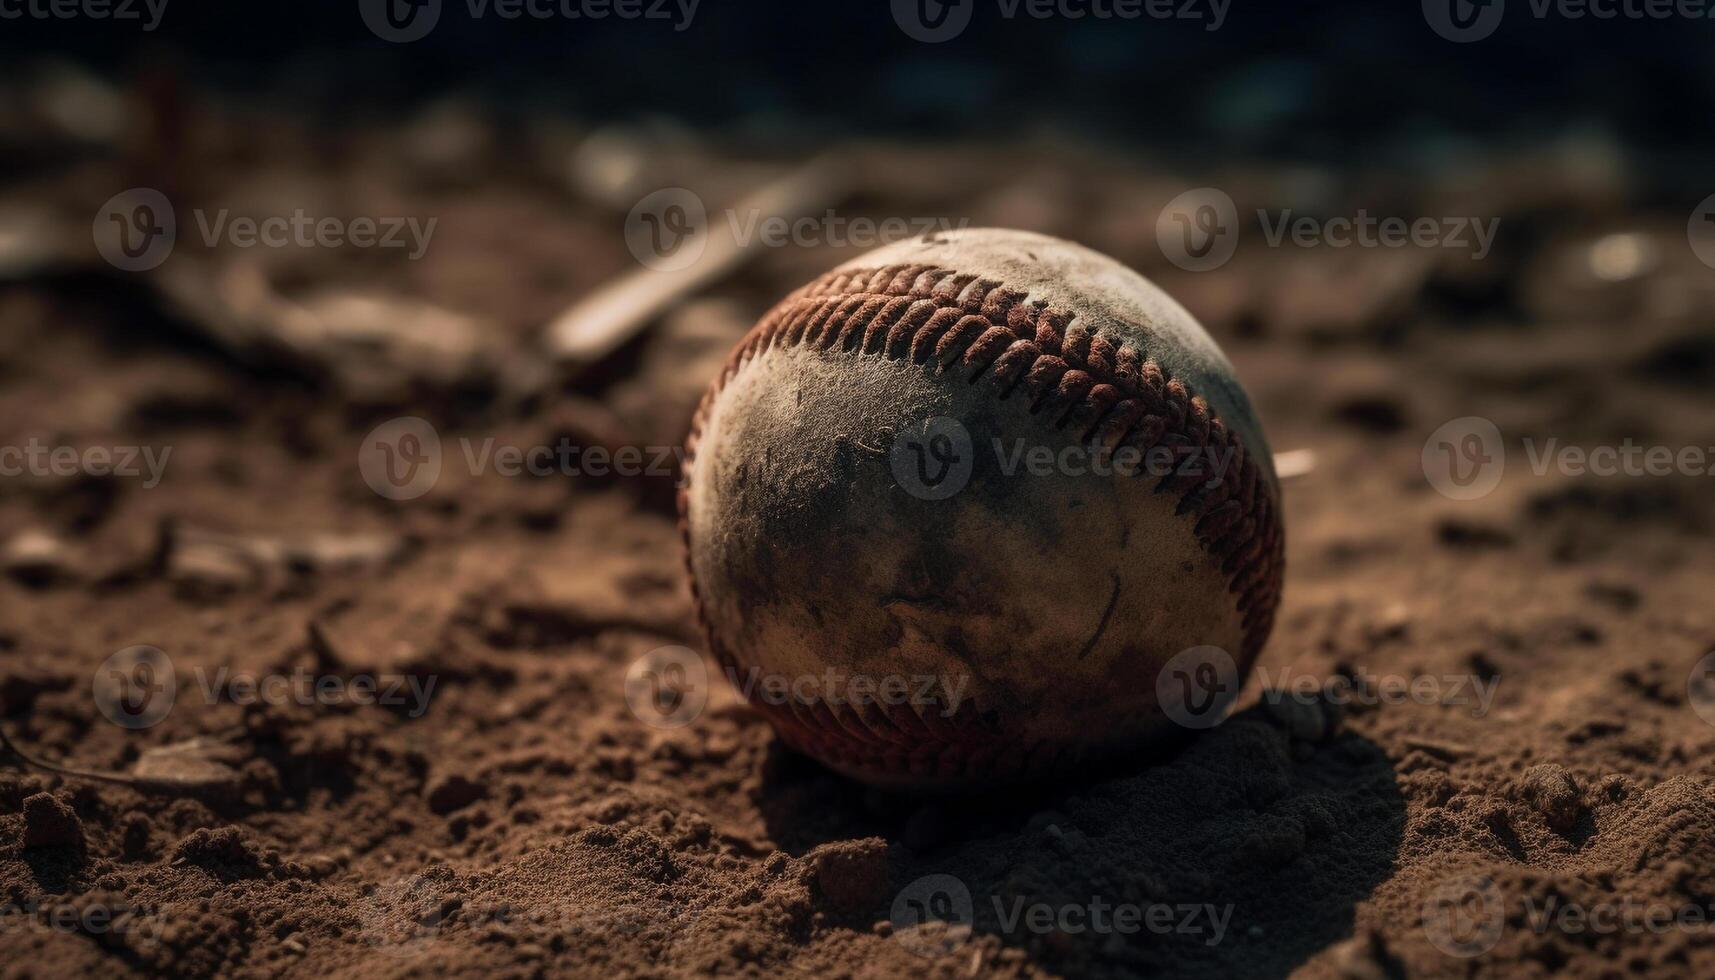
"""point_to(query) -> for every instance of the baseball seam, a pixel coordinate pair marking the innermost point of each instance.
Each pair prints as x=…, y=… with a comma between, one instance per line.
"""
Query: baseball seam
x=926, y=314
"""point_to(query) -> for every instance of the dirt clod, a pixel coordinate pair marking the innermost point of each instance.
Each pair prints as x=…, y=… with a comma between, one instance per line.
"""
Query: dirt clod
x=51, y=822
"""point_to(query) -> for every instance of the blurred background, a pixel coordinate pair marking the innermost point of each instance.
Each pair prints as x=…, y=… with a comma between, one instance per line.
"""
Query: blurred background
x=1324, y=84
x=534, y=134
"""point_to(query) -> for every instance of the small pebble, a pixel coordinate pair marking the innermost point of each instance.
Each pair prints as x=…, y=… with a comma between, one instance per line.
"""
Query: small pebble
x=37, y=559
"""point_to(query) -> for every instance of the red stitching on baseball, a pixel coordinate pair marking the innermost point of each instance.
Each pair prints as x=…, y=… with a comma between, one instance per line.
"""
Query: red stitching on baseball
x=1114, y=396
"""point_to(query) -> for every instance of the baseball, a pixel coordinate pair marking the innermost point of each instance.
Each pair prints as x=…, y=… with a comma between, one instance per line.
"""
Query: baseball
x=978, y=508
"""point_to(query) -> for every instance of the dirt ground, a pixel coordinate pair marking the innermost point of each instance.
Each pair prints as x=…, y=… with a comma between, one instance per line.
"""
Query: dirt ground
x=1521, y=727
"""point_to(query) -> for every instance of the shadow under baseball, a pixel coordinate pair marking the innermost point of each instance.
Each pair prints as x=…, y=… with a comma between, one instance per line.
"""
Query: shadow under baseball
x=1243, y=855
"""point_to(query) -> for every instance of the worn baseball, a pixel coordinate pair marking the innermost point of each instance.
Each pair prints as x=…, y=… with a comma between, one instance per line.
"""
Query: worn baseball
x=981, y=507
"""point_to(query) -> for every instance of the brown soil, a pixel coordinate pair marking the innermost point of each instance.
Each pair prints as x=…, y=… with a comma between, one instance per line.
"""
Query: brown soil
x=527, y=823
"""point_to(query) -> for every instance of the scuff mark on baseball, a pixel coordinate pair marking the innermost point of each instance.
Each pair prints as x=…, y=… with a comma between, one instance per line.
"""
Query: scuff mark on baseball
x=880, y=568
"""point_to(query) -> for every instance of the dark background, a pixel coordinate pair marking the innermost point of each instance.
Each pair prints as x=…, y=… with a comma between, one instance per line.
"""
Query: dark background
x=1312, y=81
